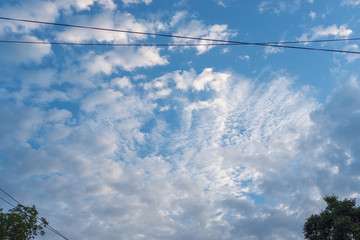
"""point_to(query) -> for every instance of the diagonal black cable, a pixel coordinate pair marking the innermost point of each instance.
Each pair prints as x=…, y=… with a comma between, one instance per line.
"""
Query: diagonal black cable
x=113, y=30
x=10, y=196
x=48, y=226
x=272, y=44
x=175, y=45
x=121, y=44
x=316, y=41
x=7, y=202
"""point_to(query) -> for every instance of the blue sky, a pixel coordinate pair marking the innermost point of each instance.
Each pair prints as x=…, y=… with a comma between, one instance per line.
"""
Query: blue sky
x=225, y=142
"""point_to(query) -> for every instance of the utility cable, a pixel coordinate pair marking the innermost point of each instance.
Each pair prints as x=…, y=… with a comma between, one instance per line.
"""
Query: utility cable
x=117, y=30
x=270, y=44
x=48, y=226
x=175, y=45
x=121, y=44
x=173, y=36
x=10, y=196
x=7, y=202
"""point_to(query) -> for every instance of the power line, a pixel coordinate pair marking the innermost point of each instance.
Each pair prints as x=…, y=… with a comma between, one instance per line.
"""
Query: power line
x=316, y=41
x=269, y=44
x=175, y=45
x=48, y=226
x=7, y=202
x=173, y=36
x=121, y=44
x=10, y=196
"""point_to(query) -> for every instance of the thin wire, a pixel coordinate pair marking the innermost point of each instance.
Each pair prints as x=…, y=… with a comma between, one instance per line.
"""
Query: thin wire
x=56, y=231
x=7, y=202
x=48, y=226
x=10, y=196
x=307, y=48
x=114, y=30
x=176, y=45
x=121, y=44
x=316, y=41
x=276, y=44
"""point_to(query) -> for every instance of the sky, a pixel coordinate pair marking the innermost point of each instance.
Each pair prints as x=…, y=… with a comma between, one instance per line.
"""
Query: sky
x=192, y=142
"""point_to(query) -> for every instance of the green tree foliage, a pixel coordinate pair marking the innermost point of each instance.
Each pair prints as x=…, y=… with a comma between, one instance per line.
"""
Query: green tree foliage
x=339, y=221
x=21, y=223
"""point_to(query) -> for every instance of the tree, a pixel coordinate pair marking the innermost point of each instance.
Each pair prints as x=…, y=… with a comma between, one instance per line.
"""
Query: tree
x=339, y=221
x=21, y=223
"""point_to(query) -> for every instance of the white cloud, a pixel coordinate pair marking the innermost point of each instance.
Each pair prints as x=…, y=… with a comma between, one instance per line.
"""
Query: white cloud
x=352, y=57
x=36, y=10
x=58, y=115
x=125, y=111
x=334, y=141
x=350, y=2
x=245, y=138
x=322, y=32
x=182, y=79
x=197, y=29
x=147, y=2
x=101, y=98
x=18, y=124
x=279, y=6
x=165, y=108
x=160, y=93
x=185, y=154
x=223, y=3
x=123, y=82
x=272, y=50
x=178, y=17
x=312, y=15
x=127, y=59
x=121, y=21
x=209, y=79
x=50, y=96
x=220, y=2
x=86, y=4
x=24, y=53
x=81, y=5
x=245, y=58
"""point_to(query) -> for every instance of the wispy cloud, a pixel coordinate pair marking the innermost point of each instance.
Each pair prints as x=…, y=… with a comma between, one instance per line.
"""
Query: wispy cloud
x=350, y=2
x=279, y=6
x=322, y=32
x=181, y=143
x=136, y=1
x=127, y=59
x=186, y=25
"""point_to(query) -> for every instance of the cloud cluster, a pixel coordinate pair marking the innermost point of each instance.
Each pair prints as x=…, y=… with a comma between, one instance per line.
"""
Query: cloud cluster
x=199, y=191
x=272, y=50
x=185, y=25
x=242, y=143
x=114, y=143
x=136, y=1
x=20, y=53
x=351, y=2
x=279, y=6
x=323, y=32
x=122, y=21
x=127, y=59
